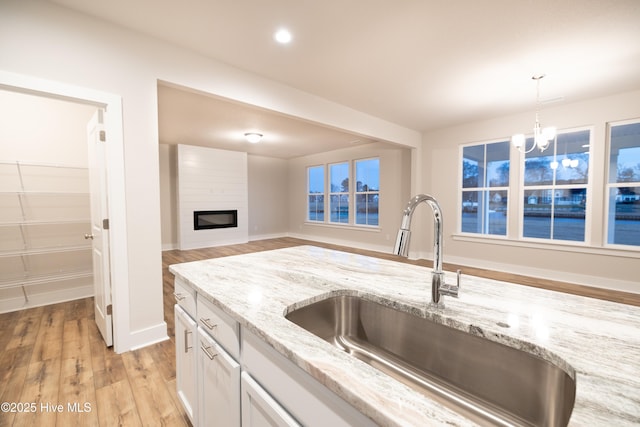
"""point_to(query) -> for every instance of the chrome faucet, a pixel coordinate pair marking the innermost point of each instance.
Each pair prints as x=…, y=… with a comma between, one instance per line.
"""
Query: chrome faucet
x=438, y=285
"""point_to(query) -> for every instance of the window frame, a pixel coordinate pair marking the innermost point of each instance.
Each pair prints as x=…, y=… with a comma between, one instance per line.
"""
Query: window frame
x=351, y=194
x=483, y=192
x=553, y=187
x=339, y=194
x=610, y=185
x=310, y=194
x=367, y=193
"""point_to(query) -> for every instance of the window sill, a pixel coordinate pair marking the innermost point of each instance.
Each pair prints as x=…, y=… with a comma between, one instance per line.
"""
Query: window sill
x=370, y=228
x=619, y=251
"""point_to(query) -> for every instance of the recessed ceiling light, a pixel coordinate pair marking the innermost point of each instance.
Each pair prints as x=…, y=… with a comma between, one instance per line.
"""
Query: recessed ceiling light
x=282, y=36
x=253, y=137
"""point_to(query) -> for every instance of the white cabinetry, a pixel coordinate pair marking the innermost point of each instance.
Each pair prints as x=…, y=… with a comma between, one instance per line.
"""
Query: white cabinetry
x=259, y=409
x=186, y=330
x=218, y=384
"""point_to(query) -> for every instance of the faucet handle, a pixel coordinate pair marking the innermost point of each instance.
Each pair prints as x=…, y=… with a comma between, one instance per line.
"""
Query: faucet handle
x=451, y=290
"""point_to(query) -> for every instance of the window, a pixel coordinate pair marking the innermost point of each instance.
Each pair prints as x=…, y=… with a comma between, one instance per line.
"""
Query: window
x=555, y=188
x=315, y=193
x=624, y=185
x=485, y=183
x=367, y=192
x=339, y=193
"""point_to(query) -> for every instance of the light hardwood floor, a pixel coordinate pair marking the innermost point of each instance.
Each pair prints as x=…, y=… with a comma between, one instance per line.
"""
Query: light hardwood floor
x=54, y=355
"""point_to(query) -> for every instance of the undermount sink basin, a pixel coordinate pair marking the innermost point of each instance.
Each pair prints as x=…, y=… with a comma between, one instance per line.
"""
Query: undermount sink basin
x=488, y=382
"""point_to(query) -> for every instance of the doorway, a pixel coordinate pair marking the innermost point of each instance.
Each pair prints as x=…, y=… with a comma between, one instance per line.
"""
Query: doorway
x=75, y=157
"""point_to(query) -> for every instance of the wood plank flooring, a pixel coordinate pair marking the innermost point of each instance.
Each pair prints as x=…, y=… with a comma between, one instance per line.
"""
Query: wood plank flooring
x=54, y=355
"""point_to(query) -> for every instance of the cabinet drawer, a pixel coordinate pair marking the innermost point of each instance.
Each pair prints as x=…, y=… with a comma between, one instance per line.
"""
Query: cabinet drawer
x=185, y=296
x=219, y=325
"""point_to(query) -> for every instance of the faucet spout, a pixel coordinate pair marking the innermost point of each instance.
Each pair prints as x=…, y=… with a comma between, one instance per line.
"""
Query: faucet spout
x=438, y=287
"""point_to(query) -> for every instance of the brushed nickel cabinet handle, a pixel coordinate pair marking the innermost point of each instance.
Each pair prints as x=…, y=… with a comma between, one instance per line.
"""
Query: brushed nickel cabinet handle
x=209, y=354
x=207, y=323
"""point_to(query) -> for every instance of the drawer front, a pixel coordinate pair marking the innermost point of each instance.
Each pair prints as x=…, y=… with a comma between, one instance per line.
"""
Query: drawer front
x=185, y=296
x=219, y=325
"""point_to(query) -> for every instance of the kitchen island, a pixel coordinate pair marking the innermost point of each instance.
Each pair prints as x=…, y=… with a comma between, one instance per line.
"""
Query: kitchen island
x=597, y=342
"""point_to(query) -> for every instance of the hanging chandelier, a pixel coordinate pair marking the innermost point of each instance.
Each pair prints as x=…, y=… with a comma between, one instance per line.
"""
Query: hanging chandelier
x=542, y=137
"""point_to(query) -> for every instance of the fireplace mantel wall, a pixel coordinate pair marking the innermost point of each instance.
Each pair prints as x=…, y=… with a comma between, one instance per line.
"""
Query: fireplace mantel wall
x=211, y=179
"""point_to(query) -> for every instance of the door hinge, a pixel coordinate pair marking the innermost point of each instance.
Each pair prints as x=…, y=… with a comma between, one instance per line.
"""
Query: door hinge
x=105, y=224
x=109, y=310
x=103, y=136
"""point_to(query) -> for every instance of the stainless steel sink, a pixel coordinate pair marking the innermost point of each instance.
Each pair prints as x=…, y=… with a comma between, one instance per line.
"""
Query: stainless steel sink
x=488, y=382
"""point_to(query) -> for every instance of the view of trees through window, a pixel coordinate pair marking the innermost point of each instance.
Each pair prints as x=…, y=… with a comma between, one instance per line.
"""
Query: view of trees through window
x=624, y=185
x=339, y=195
x=367, y=191
x=365, y=194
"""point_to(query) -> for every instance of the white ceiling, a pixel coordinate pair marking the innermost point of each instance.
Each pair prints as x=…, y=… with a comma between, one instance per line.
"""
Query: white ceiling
x=423, y=64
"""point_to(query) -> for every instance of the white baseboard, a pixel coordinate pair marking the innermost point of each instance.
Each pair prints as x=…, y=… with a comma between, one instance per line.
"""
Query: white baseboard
x=256, y=237
x=148, y=336
x=561, y=276
x=349, y=243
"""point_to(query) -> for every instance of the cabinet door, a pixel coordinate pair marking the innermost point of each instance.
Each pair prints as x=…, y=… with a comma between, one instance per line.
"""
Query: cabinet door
x=218, y=384
x=186, y=384
x=259, y=409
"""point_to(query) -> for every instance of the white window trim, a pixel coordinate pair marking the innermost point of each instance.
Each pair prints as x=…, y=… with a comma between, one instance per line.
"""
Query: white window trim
x=461, y=190
x=356, y=192
x=608, y=185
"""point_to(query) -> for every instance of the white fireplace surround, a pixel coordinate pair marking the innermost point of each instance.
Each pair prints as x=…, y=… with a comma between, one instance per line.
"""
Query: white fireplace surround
x=211, y=180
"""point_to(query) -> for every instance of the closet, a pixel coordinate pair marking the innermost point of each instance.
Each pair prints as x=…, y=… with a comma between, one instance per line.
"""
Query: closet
x=44, y=202
x=44, y=218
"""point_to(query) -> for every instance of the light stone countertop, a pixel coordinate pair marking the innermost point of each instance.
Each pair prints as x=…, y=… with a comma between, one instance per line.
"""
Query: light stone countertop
x=597, y=341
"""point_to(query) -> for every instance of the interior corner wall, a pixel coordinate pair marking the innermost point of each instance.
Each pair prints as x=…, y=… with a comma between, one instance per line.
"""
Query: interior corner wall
x=268, y=197
x=168, y=198
x=595, y=267
x=208, y=180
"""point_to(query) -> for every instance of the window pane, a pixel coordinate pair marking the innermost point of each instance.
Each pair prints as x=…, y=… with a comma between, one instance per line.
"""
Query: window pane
x=569, y=214
x=624, y=216
x=498, y=164
x=573, y=158
x=316, y=208
x=537, y=214
x=367, y=209
x=339, y=176
x=497, y=213
x=473, y=166
x=315, y=193
x=538, y=167
x=339, y=206
x=625, y=153
x=471, y=212
x=368, y=175
x=316, y=179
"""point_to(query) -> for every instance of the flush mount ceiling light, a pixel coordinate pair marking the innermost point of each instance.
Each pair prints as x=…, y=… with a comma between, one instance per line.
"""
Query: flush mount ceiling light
x=282, y=36
x=253, y=137
x=541, y=137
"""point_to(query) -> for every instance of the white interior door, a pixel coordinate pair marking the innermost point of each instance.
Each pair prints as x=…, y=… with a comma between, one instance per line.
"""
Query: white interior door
x=99, y=225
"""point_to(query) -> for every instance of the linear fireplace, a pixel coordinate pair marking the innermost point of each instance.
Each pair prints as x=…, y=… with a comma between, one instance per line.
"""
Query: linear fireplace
x=204, y=220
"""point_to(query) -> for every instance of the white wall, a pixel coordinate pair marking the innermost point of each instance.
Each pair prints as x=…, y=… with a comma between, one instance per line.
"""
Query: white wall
x=210, y=180
x=590, y=264
x=268, y=197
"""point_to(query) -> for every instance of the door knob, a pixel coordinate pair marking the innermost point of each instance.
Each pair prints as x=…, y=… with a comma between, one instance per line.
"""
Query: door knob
x=88, y=236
